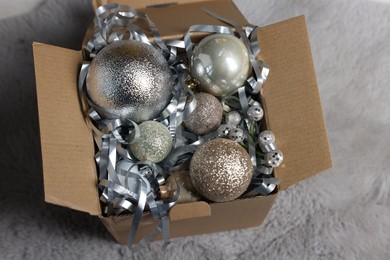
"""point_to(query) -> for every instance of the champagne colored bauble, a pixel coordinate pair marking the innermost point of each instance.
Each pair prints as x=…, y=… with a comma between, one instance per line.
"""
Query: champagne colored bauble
x=129, y=79
x=154, y=143
x=187, y=191
x=221, y=170
x=221, y=64
x=207, y=115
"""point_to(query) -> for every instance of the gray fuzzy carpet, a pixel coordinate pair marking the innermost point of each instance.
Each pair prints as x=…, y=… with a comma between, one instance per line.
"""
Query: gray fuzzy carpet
x=343, y=213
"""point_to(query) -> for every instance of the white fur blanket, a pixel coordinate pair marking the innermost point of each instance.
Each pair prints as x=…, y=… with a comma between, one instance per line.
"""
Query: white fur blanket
x=342, y=213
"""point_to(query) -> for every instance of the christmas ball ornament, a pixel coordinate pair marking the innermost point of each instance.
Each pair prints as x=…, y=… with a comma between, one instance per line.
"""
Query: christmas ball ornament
x=255, y=113
x=267, y=141
x=154, y=143
x=221, y=64
x=221, y=170
x=233, y=118
x=274, y=158
x=129, y=79
x=187, y=191
x=207, y=115
x=237, y=135
x=224, y=130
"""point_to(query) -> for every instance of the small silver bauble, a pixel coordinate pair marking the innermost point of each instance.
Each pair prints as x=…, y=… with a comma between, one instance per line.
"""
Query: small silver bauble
x=255, y=113
x=221, y=170
x=207, y=115
x=267, y=141
x=233, y=118
x=274, y=158
x=237, y=135
x=129, y=79
x=224, y=130
x=154, y=143
x=221, y=64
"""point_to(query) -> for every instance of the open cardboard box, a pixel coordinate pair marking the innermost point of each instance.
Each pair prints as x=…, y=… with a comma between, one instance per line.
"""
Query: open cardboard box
x=291, y=103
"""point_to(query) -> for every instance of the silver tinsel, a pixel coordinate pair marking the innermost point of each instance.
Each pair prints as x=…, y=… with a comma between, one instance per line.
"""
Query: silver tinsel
x=129, y=79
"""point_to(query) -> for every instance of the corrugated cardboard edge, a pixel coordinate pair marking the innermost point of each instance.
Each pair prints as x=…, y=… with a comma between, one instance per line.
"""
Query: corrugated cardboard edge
x=178, y=18
x=144, y=3
x=292, y=102
x=66, y=141
x=237, y=214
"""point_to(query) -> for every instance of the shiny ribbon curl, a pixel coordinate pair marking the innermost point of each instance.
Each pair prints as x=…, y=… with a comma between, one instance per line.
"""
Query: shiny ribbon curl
x=129, y=185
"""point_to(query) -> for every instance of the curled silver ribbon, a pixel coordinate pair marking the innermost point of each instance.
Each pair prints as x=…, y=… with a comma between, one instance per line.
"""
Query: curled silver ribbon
x=128, y=185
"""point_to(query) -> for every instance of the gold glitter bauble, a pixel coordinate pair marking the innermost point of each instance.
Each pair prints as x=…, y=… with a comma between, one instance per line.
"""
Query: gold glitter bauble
x=221, y=170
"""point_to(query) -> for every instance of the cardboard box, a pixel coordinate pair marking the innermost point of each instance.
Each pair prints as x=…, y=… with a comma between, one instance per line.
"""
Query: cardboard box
x=292, y=107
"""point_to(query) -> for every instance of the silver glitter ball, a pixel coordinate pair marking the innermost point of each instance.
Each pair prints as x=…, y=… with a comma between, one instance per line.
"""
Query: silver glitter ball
x=255, y=113
x=221, y=64
x=237, y=135
x=224, y=130
x=129, y=79
x=274, y=158
x=233, y=118
x=221, y=170
x=267, y=141
x=154, y=143
x=207, y=115
x=266, y=137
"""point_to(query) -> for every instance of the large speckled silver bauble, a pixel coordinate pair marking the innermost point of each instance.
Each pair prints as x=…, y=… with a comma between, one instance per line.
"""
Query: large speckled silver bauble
x=154, y=143
x=207, y=115
x=221, y=64
x=221, y=170
x=129, y=79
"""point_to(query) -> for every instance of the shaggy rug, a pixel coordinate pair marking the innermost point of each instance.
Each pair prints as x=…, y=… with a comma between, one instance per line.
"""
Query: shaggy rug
x=342, y=213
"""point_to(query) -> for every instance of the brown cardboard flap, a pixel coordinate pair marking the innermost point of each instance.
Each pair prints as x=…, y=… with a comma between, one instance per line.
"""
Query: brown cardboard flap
x=174, y=20
x=292, y=102
x=237, y=214
x=190, y=210
x=143, y=3
x=69, y=169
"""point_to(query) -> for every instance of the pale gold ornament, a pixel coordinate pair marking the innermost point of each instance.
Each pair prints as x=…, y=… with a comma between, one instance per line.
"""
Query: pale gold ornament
x=187, y=191
x=221, y=170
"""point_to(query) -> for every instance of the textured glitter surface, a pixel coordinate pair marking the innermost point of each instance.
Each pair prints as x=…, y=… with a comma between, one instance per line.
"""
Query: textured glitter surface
x=221, y=170
x=266, y=137
x=221, y=64
x=274, y=158
x=224, y=130
x=154, y=144
x=255, y=113
x=237, y=135
x=129, y=79
x=233, y=118
x=207, y=115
